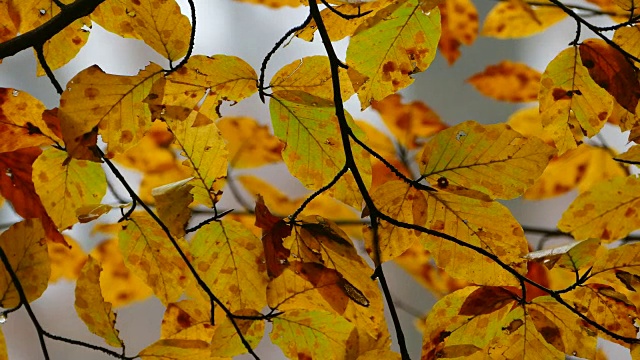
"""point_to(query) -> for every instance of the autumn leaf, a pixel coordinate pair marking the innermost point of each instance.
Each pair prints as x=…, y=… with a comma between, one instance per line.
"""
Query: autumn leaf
x=172, y=202
x=65, y=44
x=202, y=145
x=173, y=349
x=16, y=185
x=152, y=154
x=507, y=20
x=65, y=184
x=606, y=211
x=274, y=230
x=274, y=3
x=66, y=260
x=3, y=347
x=409, y=123
x=379, y=354
x=528, y=122
x=226, y=340
x=612, y=71
x=91, y=307
x=161, y=25
x=189, y=320
x=112, y=103
x=21, y=122
x=205, y=81
x=574, y=256
x=406, y=37
x=229, y=258
x=627, y=37
x=313, y=148
x=149, y=254
x=567, y=90
x=631, y=156
x=508, y=81
x=470, y=155
x=25, y=247
x=250, y=144
x=312, y=334
x=459, y=26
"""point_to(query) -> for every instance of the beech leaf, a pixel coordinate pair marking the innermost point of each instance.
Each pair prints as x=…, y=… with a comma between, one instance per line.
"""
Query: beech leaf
x=250, y=144
x=172, y=201
x=508, y=81
x=507, y=20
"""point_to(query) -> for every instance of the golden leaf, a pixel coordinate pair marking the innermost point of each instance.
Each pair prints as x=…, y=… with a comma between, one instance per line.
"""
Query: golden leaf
x=508, y=81
x=174, y=349
x=226, y=341
x=249, y=143
x=507, y=20
x=66, y=260
x=25, y=246
x=91, y=307
x=172, y=202
x=574, y=256
x=459, y=26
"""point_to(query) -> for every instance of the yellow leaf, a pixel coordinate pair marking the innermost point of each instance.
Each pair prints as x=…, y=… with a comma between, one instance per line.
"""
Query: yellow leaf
x=21, y=123
x=90, y=212
x=632, y=155
x=312, y=75
x=207, y=82
x=582, y=167
x=111, y=102
x=119, y=286
x=485, y=224
x=172, y=203
x=312, y=334
x=574, y=256
x=507, y=20
x=405, y=38
x=152, y=153
x=409, y=123
x=459, y=26
x=470, y=155
x=150, y=255
x=3, y=347
x=628, y=37
x=226, y=341
x=378, y=354
x=66, y=261
x=607, y=211
x=8, y=30
x=152, y=180
x=65, y=184
x=274, y=3
x=160, y=24
x=175, y=349
x=313, y=148
x=622, y=258
x=229, y=259
x=91, y=307
x=205, y=151
x=189, y=320
x=508, y=81
x=528, y=122
x=470, y=316
x=404, y=203
x=249, y=143
x=25, y=245
x=64, y=45
x=567, y=89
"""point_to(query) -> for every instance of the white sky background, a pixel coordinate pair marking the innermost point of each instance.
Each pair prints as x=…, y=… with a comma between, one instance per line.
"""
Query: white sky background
x=249, y=32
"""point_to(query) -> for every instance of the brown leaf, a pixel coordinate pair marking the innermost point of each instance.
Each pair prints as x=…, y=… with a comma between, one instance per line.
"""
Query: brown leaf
x=274, y=230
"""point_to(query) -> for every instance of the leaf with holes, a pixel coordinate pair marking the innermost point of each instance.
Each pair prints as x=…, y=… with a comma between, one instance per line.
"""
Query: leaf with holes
x=607, y=211
x=229, y=259
x=470, y=155
x=567, y=90
x=65, y=184
x=91, y=307
x=405, y=35
x=25, y=246
x=112, y=103
x=160, y=24
x=151, y=256
x=313, y=148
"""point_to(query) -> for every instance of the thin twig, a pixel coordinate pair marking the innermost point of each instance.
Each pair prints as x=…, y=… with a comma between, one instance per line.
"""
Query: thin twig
x=192, y=39
x=43, y=62
x=318, y=192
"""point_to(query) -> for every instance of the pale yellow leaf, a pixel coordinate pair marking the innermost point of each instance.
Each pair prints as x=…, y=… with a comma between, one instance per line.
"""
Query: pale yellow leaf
x=172, y=203
x=507, y=20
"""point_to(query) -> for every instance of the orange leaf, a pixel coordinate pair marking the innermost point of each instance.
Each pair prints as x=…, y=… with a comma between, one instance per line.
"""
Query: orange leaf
x=250, y=144
x=274, y=230
x=508, y=81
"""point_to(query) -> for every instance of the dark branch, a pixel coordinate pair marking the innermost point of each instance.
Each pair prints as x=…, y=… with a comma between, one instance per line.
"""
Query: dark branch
x=318, y=192
x=43, y=62
x=192, y=39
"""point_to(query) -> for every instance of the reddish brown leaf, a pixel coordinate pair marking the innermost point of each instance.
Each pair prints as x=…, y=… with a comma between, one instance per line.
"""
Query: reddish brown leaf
x=274, y=230
x=486, y=300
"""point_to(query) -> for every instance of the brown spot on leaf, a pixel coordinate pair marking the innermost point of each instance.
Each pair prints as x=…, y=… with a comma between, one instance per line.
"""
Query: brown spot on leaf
x=560, y=94
x=91, y=93
x=126, y=136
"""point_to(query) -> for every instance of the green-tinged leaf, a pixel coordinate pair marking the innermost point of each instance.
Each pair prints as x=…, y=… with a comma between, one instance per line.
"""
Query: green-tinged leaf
x=21, y=123
x=65, y=185
x=485, y=224
x=160, y=24
x=312, y=335
x=574, y=256
x=226, y=341
x=91, y=307
x=563, y=329
x=205, y=151
x=150, y=255
x=313, y=148
x=471, y=155
x=607, y=211
x=113, y=103
x=609, y=308
x=405, y=38
x=571, y=103
x=229, y=258
x=176, y=349
x=312, y=75
x=25, y=245
x=172, y=203
x=250, y=144
x=404, y=203
x=507, y=20
x=469, y=317
x=206, y=82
